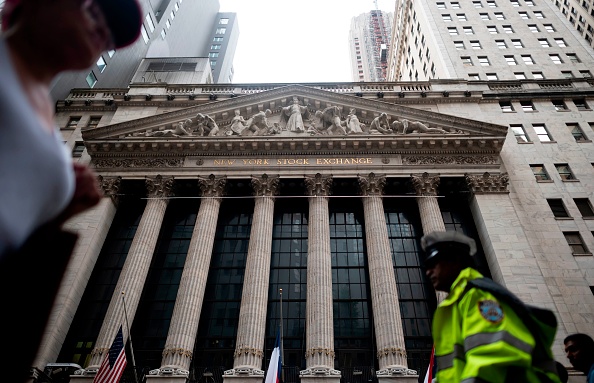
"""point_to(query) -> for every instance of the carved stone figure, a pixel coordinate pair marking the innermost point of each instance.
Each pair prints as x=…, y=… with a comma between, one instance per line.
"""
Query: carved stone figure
x=417, y=126
x=181, y=129
x=206, y=126
x=257, y=125
x=352, y=123
x=237, y=124
x=292, y=117
x=330, y=119
x=380, y=124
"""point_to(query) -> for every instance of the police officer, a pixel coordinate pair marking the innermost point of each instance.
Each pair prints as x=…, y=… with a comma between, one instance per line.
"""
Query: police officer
x=477, y=337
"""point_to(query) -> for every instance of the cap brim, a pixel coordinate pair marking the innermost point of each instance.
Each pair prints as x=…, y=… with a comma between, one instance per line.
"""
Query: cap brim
x=124, y=18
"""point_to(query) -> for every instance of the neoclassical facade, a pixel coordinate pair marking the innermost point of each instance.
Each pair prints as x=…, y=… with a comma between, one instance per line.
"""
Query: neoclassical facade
x=232, y=211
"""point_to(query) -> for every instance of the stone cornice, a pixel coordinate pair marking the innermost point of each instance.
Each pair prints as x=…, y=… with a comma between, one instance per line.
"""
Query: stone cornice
x=487, y=183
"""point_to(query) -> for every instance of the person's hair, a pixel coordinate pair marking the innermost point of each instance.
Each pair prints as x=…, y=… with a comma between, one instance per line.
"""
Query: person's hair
x=584, y=340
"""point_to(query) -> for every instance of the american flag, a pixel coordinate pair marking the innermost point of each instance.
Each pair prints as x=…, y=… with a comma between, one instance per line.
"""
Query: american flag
x=113, y=365
x=430, y=375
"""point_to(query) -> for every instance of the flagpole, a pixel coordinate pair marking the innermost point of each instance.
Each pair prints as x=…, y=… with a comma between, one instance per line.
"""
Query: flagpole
x=281, y=335
x=130, y=339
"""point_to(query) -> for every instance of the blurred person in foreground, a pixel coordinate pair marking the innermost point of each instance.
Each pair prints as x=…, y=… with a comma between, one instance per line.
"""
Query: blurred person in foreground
x=477, y=336
x=41, y=186
x=579, y=349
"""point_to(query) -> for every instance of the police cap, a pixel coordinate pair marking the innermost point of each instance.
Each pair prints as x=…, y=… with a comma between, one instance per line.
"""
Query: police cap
x=441, y=242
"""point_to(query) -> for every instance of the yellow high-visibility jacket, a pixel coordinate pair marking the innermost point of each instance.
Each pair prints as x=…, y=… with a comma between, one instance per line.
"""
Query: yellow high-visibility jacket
x=479, y=338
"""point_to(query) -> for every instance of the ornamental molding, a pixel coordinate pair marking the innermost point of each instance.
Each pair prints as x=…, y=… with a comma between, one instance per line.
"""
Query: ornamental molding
x=159, y=186
x=372, y=185
x=123, y=163
x=318, y=185
x=169, y=371
x=212, y=186
x=448, y=160
x=265, y=186
x=425, y=184
x=396, y=371
x=110, y=187
x=384, y=352
x=487, y=183
x=248, y=350
x=319, y=371
x=244, y=371
x=177, y=351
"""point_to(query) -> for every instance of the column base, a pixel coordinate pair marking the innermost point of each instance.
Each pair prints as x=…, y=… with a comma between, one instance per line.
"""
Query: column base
x=168, y=375
x=243, y=375
x=397, y=374
x=319, y=375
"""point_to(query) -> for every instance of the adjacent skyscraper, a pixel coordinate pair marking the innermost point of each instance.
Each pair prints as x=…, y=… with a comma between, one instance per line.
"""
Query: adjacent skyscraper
x=369, y=38
x=485, y=40
x=172, y=28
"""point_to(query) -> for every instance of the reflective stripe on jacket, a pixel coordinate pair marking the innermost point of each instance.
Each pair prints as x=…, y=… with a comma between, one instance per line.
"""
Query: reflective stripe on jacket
x=479, y=338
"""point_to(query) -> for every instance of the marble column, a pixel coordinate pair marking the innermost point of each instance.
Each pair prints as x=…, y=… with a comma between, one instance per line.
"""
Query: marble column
x=181, y=338
x=389, y=334
x=425, y=186
x=92, y=227
x=133, y=276
x=251, y=329
x=319, y=340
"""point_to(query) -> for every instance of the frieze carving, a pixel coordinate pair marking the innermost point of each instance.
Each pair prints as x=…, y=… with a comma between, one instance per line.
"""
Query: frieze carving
x=159, y=186
x=372, y=185
x=138, y=162
x=110, y=186
x=265, y=186
x=318, y=185
x=487, y=183
x=319, y=371
x=248, y=350
x=391, y=351
x=459, y=159
x=244, y=371
x=397, y=371
x=212, y=186
x=319, y=350
x=425, y=184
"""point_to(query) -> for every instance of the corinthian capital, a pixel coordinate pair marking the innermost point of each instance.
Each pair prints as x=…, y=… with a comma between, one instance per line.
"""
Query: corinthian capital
x=159, y=186
x=487, y=183
x=372, y=185
x=265, y=186
x=212, y=186
x=318, y=185
x=110, y=187
x=425, y=184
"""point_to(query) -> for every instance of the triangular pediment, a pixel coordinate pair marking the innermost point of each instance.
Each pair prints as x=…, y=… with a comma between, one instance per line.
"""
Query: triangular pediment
x=402, y=126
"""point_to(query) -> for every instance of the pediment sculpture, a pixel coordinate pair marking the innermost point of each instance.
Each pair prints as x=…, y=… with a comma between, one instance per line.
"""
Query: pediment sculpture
x=298, y=119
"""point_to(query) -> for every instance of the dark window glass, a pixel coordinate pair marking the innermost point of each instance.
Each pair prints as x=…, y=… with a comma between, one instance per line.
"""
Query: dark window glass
x=557, y=207
x=584, y=206
x=574, y=240
x=540, y=172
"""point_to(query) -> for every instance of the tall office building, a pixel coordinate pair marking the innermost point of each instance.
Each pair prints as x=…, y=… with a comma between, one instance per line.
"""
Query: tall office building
x=581, y=15
x=369, y=39
x=171, y=28
x=486, y=40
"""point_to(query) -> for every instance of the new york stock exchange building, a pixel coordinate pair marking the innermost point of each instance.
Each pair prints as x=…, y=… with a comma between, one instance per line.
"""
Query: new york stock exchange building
x=231, y=211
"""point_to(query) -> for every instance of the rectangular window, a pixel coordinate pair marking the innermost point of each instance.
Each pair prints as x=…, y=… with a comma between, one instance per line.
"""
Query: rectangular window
x=168, y=24
x=492, y=29
x=567, y=74
x=519, y=133
x=585, y=73
x=150, y=23
x=492, y=76
x=213, y=54
x=501, y=44
x=549, y=28
x=506, y=106
x=544, y=43
x=528, y=60
x=507, y=29
x=466, y=60
x=461, y=17
x=518, y=44
x=540, y=173
x=585, y=207
x=527, y=106
x=576, y=243
x=91, y=79
x=520, y=75
x=440, y=5
x=145, y=35
x=573, y=58
x=558, y=208
x=559, y=105
x=476, y=45
x=485, y=16
x=221, y=31
x=163, y=34
x=473, y=76
x=538, y=75
x=564, y=172
x=499, y=15
x=446, y=17
x=72, y=122
x=217, y=39
x=93, y=122
x=224, y=21
x=484, y=61
x=491, y=4
x=539, y=15
x=79, y=148
x=101, y=64
x=533, y=28
x=529, y=3
x=576, y=131
x=542, y=132
x=455, y=5
x=459, y=44
x=215, y=46
x=468, y=30
x=556, y=59
x=524, y=15
x=477, y=4
x=580, y=104
x=453, y=31
x=510, y=60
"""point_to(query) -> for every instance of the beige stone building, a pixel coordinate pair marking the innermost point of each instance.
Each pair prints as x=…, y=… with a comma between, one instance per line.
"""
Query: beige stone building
x=232, y=209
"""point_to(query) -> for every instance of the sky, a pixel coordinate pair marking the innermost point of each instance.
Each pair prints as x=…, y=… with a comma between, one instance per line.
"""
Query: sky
x=282, y=41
